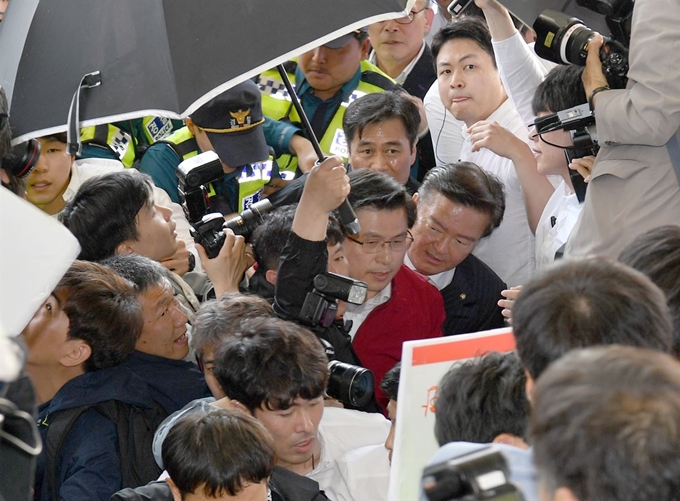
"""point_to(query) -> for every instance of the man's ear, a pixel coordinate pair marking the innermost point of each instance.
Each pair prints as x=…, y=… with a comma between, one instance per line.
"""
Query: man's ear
x=416, y=198
x=564, y=494
x=124, y=248
x=190, y=125
x=529, y=386
x=235, y=404
x=78, y=351
x=176, y=494
x=365, y=47
x=270, y=275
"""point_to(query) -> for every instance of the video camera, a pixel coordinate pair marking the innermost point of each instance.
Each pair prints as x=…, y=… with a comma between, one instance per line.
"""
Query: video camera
x=564, y=40
x=580, y=122
x=195, y=174
x=480, y=475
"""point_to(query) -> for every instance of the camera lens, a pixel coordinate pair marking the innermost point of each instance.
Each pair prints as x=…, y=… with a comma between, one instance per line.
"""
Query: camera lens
x=350, y=384
x=561, y=39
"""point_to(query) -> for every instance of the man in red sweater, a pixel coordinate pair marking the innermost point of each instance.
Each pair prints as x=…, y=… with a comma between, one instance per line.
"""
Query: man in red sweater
x=400, y=305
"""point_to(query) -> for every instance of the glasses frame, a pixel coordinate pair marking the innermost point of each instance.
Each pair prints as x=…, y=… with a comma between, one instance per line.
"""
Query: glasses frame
x=410, y=16
x=383, y=244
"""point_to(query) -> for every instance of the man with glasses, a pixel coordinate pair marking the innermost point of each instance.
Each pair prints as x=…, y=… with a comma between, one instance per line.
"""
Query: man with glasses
x=400, y=50
x=459, y=205
x=400, y=305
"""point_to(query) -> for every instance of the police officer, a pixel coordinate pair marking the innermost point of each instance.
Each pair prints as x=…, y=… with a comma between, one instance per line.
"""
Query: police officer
x=231, y=125
x=327, y=80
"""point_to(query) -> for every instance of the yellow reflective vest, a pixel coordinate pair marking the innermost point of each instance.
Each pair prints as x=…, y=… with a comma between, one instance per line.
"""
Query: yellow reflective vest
x=276, y=104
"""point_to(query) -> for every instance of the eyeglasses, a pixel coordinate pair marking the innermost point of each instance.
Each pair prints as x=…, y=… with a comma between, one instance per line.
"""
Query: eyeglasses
x=398, y=244
x=408, y=19
x=4, y=118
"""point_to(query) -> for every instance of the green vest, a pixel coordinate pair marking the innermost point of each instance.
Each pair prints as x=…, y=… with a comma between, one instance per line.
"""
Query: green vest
x=276, y=104
x=126, y=144
x=116, y=139
x=251, y=181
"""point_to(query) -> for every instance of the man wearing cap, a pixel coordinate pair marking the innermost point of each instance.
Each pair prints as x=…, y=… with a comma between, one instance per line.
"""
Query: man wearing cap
x=231, y=125
x=327, y=80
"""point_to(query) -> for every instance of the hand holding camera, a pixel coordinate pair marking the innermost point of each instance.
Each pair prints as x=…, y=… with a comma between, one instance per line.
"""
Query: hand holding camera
x=226, y=270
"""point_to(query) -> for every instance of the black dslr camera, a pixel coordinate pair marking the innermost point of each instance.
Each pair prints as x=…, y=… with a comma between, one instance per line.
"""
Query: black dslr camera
x=195, y=174
x=347, y=383
x=478, y=476
x=580, y=122
x=564, y=40
x=321, y=303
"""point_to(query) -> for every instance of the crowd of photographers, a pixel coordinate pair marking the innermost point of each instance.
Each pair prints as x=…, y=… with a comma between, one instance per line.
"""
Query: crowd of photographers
x=233, y=325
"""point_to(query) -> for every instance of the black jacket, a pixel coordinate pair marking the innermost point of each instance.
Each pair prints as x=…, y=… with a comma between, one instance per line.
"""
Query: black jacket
x=284, y=484
x=301, y=261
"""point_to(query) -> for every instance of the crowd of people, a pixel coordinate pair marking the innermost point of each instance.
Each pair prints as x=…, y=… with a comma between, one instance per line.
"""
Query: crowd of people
x=160, y=370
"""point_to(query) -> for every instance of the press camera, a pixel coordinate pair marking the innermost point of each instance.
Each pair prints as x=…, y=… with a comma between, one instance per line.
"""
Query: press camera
x=580, y=122
x=564, y=40
x=479, y=476
x=195, y=175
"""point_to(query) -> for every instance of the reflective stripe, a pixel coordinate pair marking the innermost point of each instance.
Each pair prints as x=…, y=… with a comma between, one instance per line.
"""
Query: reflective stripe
x=116, y=139
x=276, y=104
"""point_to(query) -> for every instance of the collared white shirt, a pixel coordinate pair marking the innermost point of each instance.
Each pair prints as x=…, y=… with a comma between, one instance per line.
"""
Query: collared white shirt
x=557, y=220
x=440, y=280
x=510, y=249
x=401, y=78
x=357, y=313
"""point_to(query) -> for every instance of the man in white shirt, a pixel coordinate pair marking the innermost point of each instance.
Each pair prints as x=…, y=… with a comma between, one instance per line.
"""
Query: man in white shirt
x=471, y=89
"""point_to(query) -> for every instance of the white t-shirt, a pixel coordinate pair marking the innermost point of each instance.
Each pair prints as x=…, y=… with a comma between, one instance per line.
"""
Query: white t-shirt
x=557, y=220
x=510, y=249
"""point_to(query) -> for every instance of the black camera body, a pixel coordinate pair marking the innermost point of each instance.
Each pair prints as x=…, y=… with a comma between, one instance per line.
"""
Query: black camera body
x=194, y=175
x=479, y=476
x=564, y=39
x=580, y=122
x=321, y=303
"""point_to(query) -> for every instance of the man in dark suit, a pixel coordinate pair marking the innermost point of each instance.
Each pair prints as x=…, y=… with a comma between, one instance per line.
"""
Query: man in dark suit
x=458, y=205
x=400, y=50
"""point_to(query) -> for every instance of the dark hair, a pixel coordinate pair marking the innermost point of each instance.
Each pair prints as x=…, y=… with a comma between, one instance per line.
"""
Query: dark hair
x=471, y=28
x=604, y=424
x=271, y=362
x=103, y=213
x=377, y=108
x=390, y=382
x=378, y=191
x=467, y=184
x=221, y=318
x=481, y=398
x=561, y=89
x=656, y=253
x=140, y=270
x=222, y=451
x=102, y=310
x=577, y=304
x=271, y=236
x=58, y=136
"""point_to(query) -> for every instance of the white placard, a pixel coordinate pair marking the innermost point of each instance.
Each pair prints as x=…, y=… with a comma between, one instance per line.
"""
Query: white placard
x=423, y=364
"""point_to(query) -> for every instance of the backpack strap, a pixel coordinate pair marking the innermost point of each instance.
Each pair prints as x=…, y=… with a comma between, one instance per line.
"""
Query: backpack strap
x=58, y=428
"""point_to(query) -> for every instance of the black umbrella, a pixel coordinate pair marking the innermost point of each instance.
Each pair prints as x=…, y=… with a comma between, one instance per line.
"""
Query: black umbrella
x=154, y=57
